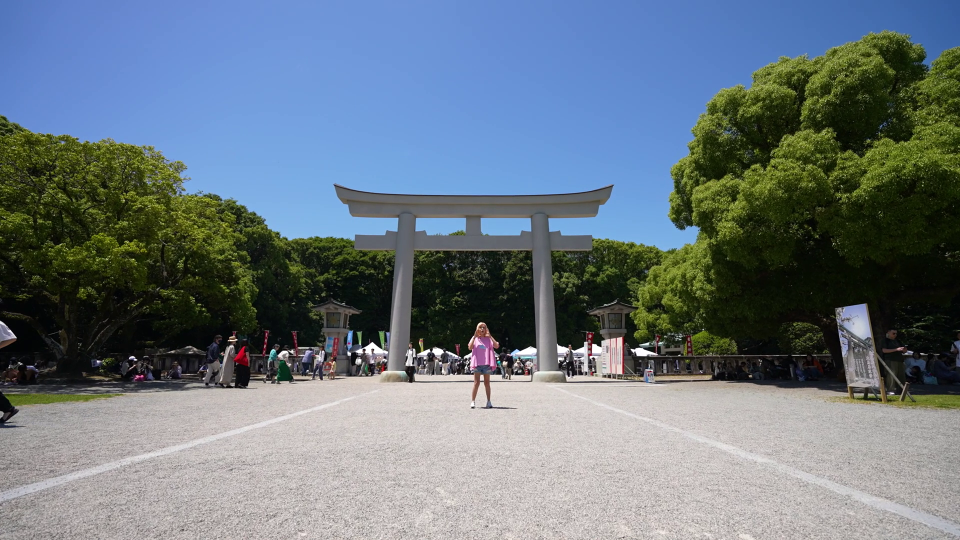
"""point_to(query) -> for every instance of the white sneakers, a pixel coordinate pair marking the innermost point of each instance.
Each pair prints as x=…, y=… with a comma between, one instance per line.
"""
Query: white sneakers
x=473, y=405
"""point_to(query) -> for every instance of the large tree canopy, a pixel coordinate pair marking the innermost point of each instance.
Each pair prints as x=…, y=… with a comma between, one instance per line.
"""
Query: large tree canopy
x=97, y=234
x=830, y=181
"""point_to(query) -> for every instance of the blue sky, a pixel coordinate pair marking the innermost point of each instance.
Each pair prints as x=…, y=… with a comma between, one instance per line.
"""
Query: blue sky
x=272, y=103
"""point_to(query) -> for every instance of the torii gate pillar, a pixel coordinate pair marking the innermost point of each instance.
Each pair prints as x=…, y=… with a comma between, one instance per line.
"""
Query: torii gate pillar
x=540, y=240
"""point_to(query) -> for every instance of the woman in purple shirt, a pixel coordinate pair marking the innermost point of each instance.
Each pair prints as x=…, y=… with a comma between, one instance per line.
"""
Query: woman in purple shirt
x=482, y=361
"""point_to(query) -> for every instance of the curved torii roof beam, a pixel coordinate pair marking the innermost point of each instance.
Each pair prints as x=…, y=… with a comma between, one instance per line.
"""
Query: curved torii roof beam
x=384, y=205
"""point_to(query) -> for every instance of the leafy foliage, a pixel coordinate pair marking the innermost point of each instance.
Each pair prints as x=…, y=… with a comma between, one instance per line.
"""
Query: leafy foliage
x=709, y=344
x=99, y=234
x=830, y=181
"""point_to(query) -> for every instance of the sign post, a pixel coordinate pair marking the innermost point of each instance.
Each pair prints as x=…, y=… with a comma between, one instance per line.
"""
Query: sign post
x=588, y=351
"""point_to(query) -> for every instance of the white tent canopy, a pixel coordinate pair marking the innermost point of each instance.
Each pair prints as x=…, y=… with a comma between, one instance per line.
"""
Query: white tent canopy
x=595, y=350
x=529, y=351
x=639, y=351
x=370, y=349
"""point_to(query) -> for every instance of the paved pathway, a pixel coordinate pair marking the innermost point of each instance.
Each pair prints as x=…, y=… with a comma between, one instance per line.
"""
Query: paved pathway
x=592, y=459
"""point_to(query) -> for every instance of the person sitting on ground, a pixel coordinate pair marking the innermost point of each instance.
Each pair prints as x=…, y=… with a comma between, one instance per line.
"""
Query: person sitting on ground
x=810, y=369
x=146, y=368
x=10, y=375
x=943, y=373
x=741, y=372
x=175, y=371
x=756, y=373
x=915, y=365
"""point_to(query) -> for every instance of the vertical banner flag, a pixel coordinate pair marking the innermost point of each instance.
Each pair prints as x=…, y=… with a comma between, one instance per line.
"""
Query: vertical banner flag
x=689, y=345
x=296, y=350
x=656, y=345
x=589, y=350
x=336, y=347
x=458, y=349
x=360, y=338
x=266, y=334
x=383, y=341
x=328, y=346
x=421, y=344
x=388, y=341
x=350, y=340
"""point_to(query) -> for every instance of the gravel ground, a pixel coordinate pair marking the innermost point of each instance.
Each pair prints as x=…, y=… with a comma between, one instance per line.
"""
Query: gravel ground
x=590, y=459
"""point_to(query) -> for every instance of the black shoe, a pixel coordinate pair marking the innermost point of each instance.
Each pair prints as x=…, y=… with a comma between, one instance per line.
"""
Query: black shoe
x=9, y=414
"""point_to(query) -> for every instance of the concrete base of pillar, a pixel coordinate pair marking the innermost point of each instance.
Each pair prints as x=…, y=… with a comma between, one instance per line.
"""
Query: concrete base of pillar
x=394, y=376
x=549, y=376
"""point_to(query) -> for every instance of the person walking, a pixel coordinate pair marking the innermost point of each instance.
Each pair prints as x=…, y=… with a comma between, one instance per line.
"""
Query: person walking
x=482, y=361
x=270, y=370
x=371, y=363
x=507, y=365
x=7, y=337
x=411, y=362
x=226, y=374
x=444, y=362
x=242, y=364
x=212, y=360
x=570, y=361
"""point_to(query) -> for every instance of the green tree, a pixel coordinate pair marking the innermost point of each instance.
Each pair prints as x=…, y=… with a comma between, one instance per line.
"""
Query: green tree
x=283, y=298
x=9, y=128
x=98, y=234
x=705, y=343
x=801, y=338
x=826, y=183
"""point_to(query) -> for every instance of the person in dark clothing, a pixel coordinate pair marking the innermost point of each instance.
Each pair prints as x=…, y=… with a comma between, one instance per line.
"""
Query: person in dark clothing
x=892, y=351
x=6, y=338
x=213, y=359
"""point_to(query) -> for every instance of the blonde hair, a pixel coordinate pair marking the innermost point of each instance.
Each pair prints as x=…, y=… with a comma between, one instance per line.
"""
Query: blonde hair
x=483, y=324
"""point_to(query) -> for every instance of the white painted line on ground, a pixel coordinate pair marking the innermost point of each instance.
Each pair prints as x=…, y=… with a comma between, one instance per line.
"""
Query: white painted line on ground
x=14, y=493
x=879, y=503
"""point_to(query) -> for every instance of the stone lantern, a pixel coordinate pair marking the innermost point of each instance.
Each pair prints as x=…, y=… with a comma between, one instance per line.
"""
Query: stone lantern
x=613, y=318
x=336, y=324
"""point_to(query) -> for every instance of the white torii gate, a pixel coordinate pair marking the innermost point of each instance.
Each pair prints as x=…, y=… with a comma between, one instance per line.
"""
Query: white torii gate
x=540, y=240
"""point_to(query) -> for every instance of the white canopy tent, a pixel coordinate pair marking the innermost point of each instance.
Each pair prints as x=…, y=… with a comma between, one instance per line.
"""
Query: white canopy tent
x=371, y=350
x=529, y=352
x=640, y=351
x=595, y=350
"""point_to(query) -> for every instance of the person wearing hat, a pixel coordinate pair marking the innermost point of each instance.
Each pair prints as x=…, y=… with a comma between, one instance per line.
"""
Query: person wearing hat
x=128, y=370
x=226, y=374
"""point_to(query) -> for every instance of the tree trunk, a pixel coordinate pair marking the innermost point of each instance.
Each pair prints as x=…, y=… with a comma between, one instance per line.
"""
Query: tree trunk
x=831, y=336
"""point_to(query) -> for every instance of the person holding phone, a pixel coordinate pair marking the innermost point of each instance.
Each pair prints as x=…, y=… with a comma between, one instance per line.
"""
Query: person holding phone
x=483, y=361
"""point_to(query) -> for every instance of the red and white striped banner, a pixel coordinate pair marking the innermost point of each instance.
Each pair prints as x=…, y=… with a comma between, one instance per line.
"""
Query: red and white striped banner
x=266, y=334
x=296, y=350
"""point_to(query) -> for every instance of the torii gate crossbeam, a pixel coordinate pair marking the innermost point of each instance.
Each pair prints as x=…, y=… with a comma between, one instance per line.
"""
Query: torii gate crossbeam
x=540, y=240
